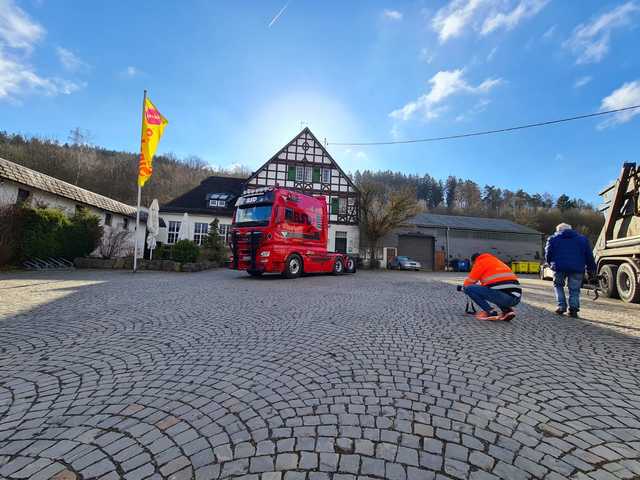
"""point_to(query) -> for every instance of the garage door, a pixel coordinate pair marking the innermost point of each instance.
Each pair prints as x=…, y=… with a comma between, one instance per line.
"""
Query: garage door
x=418, y=247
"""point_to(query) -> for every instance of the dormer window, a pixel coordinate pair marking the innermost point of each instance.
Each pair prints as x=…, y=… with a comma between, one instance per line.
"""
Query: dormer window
x=217, y=200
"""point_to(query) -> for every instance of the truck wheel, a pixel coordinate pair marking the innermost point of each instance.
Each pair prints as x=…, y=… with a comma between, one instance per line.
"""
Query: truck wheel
x=293, y=268
x=608, y=281
x=627, y=281
x=338, y=267
x=351, y=265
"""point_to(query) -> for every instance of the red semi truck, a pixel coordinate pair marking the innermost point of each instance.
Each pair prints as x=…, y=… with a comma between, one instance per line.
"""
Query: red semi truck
x=276, y=230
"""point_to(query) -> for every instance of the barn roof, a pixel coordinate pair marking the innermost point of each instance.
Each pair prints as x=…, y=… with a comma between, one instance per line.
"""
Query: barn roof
x=31, y=178
x=470, y=223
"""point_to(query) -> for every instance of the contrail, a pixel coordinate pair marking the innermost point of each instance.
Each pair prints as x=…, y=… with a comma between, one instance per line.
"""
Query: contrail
x=275, y=19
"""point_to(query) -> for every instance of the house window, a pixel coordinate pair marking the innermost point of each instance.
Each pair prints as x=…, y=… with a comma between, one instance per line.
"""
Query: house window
x=80, y=209
x=107, y=219
x=224, y=229
x=299, y=174
x=342, y=206
x=23, y=195
x=172, y=232
x=217, y=203
x=125, y=223
x=308, y=174
x=326, y=175
x=200, y=232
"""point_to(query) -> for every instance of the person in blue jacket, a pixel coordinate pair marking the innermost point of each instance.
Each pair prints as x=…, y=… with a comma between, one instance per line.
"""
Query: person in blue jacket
x=569, y=255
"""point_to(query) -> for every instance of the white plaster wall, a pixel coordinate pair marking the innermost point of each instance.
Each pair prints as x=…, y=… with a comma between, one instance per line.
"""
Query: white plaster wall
x=193, y=219
x=353, y=237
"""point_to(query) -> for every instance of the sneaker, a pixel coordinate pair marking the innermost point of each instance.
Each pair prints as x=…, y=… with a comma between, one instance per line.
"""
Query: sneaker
x=573, y=313
x=482, y=315
x=508, y=315
x=560, y=310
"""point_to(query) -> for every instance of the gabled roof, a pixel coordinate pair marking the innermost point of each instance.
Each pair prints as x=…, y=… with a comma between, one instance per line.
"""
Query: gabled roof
x=470, y=223
x=195, y=200
x=31, y=178
x=305, y=130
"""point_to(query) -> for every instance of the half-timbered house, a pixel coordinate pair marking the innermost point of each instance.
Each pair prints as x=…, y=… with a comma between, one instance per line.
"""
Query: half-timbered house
x=304, y=165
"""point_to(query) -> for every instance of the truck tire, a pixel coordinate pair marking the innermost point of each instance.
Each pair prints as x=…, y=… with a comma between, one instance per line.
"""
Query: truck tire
x=338, y=267
x=351, y=266
x=608, y=283
x=627, y=281
x=293, y=266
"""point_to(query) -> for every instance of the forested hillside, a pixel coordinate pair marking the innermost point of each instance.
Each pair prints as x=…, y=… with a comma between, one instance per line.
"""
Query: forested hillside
x=108, y=172
x=114, y=174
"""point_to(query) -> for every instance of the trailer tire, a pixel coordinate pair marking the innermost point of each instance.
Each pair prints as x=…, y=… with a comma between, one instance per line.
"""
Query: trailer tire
x=608, y=283
x=351, y=265
x=627, y=281
x=338, y=267
x=293, y=266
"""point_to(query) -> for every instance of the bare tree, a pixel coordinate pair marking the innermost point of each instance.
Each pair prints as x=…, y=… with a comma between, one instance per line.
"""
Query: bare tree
x=83, y=151
x=114, y=243
x=382, y=210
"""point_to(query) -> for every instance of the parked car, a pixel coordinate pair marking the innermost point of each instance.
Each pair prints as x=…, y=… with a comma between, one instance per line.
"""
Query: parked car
x=403, y=263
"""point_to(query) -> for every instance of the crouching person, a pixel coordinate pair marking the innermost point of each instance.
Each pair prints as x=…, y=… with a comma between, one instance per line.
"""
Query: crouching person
x=491, y=281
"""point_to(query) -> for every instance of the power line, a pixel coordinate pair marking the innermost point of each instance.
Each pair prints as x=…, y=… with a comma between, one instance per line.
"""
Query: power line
x=487, y=132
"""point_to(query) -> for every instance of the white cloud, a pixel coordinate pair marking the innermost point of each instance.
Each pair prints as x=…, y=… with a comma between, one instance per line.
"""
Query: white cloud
x=71, y=61
x=590, y=42
x=426, y=55
x=509, y=20
x=551, y=31
x=483, y=16
x=392, y=15
x=17, y=78
x=582, y=81
x=130, y=72
x=17, y=30
x=443, y=85
x=492, y=54
x=18, y=37
x=625, y=96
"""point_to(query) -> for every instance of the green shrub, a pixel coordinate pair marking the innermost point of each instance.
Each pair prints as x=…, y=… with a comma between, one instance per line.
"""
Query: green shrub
x=184, y=251
x=48, y=232
x=82, y=236
x=214, y=248
x=43, y=232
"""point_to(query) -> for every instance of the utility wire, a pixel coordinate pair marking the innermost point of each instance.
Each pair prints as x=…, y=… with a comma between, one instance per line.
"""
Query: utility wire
x=487, y=132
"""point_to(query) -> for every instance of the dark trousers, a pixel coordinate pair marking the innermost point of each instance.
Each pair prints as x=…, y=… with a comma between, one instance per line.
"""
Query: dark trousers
x=483, y=296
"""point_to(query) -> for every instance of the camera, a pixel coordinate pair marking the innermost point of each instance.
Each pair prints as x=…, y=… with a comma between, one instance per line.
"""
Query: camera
x=459, y=288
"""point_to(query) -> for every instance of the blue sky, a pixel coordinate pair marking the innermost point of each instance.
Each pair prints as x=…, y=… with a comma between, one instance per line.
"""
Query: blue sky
x=236, y=79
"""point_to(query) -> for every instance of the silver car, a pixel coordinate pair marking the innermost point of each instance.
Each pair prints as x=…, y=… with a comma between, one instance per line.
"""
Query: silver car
x=403, y=263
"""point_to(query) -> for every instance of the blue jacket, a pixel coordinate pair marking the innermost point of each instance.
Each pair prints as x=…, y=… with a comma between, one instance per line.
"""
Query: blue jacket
x=568, y=251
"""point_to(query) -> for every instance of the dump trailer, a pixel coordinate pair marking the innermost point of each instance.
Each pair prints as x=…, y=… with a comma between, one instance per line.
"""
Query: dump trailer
x=617, y=251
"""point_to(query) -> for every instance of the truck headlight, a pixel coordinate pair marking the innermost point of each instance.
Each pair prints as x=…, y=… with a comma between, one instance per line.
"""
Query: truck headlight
x=266, y=253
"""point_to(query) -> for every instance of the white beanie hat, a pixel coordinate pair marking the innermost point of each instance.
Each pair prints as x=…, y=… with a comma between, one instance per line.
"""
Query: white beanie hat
x=562, y=227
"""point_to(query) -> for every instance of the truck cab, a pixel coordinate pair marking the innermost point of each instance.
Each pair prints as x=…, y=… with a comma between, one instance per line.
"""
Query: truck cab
x=276, y=230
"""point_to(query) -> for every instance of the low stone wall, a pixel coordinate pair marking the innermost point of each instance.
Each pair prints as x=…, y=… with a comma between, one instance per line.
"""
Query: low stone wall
x=127, y=264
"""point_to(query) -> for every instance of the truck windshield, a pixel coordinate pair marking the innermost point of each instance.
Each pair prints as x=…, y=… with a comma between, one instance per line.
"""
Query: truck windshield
x=258, y=215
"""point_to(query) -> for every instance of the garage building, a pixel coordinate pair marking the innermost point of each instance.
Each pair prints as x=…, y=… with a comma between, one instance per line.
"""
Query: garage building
x=432, y=238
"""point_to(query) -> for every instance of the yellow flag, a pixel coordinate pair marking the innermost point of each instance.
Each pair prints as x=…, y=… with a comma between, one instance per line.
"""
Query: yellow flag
x=153, y=124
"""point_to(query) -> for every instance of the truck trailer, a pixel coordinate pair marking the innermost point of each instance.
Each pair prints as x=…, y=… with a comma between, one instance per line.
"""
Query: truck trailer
x=617, y=251
x=276, y=230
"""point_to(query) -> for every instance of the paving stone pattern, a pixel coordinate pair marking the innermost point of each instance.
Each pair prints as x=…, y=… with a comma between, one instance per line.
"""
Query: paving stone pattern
x=110, y=375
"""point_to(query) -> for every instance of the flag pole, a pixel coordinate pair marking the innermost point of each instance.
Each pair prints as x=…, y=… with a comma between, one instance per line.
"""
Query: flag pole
x=135, y=241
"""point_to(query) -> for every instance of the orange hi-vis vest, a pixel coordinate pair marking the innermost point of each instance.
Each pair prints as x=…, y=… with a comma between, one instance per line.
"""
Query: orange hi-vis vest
x=491, y=272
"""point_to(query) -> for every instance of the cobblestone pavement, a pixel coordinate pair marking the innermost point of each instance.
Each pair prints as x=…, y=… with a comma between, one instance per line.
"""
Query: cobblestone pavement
x=378, y=375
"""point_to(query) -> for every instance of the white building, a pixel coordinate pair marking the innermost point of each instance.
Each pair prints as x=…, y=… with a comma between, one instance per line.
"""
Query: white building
x=303, y=164
x=215, y=197
x=20, y=184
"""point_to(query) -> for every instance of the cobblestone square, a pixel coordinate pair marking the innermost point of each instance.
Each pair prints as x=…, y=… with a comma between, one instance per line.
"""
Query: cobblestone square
x=110, y=375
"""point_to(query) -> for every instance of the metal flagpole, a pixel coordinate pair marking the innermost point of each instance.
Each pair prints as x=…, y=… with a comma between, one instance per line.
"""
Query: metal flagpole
x=135, y=241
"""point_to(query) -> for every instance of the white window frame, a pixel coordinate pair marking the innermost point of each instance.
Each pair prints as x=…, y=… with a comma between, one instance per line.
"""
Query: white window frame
x=342, y=205
x=200, y=231
x=224, y=229
x=173, y=229
x=326, y=175
x=308, y=174
x=299, y=173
